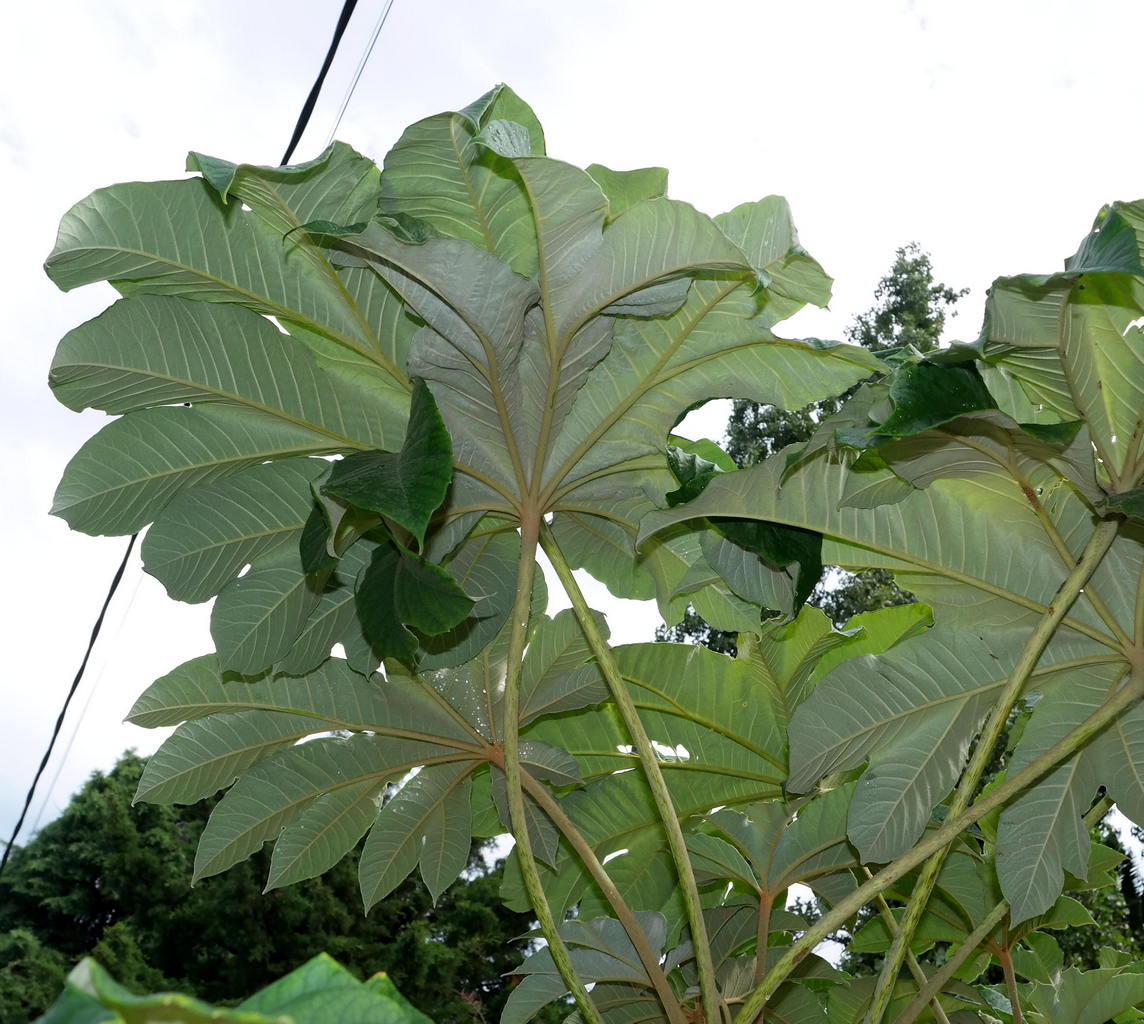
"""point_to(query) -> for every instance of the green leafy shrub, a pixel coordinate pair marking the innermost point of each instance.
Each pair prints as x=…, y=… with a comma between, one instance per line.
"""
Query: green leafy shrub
x=321, y=991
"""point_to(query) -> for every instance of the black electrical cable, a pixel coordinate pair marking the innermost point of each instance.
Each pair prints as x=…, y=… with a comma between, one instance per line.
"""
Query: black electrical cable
x=67, y=700
x=299, y=128
x=308, y=106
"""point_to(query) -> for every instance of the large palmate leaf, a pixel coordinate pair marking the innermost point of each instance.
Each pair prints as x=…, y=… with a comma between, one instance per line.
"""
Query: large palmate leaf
x=548, y=395
x=986, y=522
x=720, y=727
x=317, y=799
x=326, y=376
x=536, y=283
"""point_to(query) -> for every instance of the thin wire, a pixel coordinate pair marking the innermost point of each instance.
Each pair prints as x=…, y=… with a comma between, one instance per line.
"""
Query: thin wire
x=308, y=106
x=63, y=758
x=303, y=120
x=115, y=580
x=358, y=72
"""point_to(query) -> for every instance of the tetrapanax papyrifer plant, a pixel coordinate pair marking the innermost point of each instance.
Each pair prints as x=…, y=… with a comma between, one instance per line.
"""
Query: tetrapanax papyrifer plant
x=355, y=405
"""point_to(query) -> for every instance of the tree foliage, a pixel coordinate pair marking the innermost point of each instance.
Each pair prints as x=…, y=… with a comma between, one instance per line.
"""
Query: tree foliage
x=110, y=880
x=911, y=307
x=555, y=323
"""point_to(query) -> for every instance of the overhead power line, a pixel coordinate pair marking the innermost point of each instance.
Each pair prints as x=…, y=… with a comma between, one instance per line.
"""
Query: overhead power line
x=358, y=71
x=67, y=700
x=299, y=128
x=308, y=106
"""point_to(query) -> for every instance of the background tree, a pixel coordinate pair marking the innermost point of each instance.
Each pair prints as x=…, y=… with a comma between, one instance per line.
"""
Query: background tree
x=112, y=880
x=910, y=310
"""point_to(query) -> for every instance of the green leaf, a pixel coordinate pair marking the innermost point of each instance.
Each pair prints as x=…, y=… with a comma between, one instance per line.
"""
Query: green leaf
x=201, y=757
x=926, y=395
x=1113, y=244
x=439, y=173
x=399, y=589
x=273, y=794
x=1087, y=997
x=258, y=617
x=542, y=833
x=206, y=535
x=1102, y=354
x=319, y=974
x=339, y=184
x=692, y=471
x=122, y=478
x=911, y=714
x=1041, y=832
x=154, y=350
x=484, y=567
x=334, y=617
x=426, y=822
x=953, y=570
x=323, y=833
x=874, y=632
x=408, y=486
x=713, y=859
x=779, y=548
x=626, y=188
x=1130, y=503
x=1040, y=959
x=174, y=238
x=332, y=695
x=554, y=676
x=321, y=991
x=723, y=745
x=601, y=952
x=92, y=996
x=765, y=232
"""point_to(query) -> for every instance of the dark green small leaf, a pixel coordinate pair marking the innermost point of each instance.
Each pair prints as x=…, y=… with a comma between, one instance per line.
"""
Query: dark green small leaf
x=405, y=228
x=1131, y=503
x=407, y=487
x=926, y=395
x=313, y=544
x=779, y=547
x=692, y=469
x=485, y=567
x=400, y=589
x=1053, y=433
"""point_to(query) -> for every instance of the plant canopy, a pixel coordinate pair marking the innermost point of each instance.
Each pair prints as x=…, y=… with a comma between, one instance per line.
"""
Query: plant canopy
x=353, y=406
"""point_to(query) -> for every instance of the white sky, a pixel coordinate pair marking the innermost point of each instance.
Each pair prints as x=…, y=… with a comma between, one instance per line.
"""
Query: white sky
x=990, y=132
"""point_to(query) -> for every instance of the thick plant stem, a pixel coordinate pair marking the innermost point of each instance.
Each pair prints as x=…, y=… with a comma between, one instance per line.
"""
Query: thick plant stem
x=1011, y=986
x=919, y=976
x=1067, y=593
x=762, y=935
x=979, y=934
x=513, y=777
x=649, y=958
x=953, y=964
x=709, y=991
x=1063, y=749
